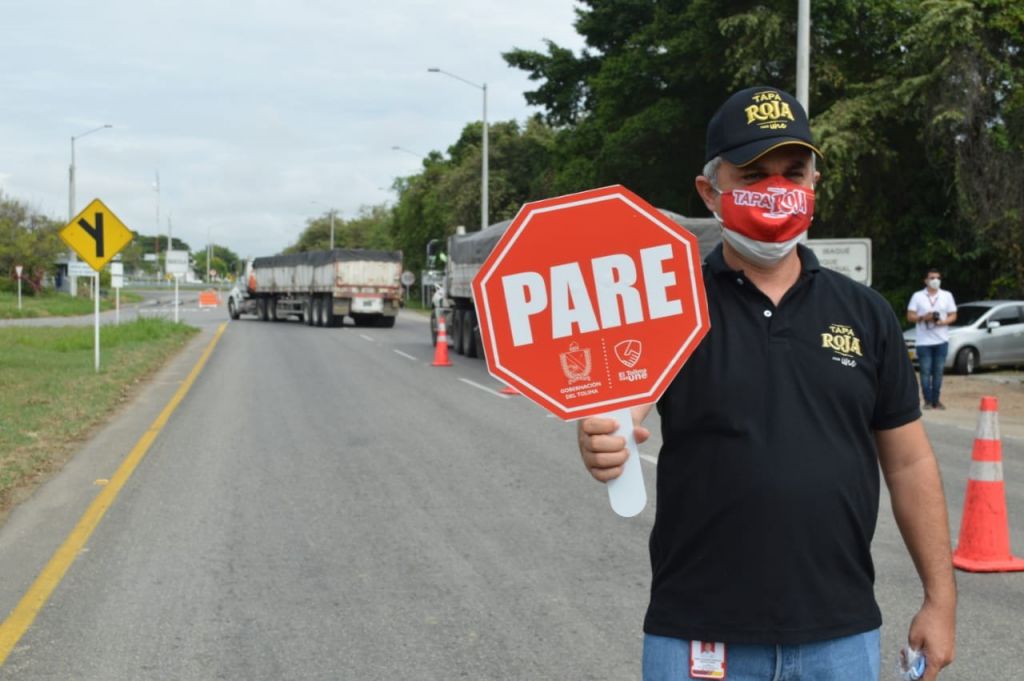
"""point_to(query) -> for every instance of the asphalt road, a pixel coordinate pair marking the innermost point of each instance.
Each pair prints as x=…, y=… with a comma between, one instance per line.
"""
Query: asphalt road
x=324, y=504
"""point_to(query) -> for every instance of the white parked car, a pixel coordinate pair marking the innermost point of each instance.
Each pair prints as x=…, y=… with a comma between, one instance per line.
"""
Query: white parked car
x=986, y=333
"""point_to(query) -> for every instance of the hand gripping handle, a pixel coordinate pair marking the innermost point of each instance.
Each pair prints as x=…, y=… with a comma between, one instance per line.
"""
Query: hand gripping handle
x=627, y=493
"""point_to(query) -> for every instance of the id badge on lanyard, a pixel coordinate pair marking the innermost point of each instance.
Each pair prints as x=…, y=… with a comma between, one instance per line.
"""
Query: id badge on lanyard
x=707, y=660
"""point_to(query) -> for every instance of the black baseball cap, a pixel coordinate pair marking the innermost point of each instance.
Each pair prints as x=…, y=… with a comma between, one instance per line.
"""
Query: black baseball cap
x=754, y=121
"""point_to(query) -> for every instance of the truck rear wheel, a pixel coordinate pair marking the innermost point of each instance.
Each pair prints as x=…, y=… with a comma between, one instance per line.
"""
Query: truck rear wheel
x=433, y=327
x=455, y=332
x=328, y=311
x=307, y=312
x=385, y=321
x=263, y=310
x=468, y=339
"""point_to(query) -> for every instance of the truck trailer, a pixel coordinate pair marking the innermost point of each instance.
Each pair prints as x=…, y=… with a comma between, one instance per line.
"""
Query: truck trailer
x=321, y=288
x=466, y=253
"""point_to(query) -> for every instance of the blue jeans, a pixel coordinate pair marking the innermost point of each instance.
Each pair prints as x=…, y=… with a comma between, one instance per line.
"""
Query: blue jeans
x=851, y=658
x=932, y=359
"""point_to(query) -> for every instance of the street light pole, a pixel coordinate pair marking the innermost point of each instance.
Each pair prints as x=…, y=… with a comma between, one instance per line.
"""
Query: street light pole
x=484, y=212
x=398, y=148
x=803, y=54
x=72, y=283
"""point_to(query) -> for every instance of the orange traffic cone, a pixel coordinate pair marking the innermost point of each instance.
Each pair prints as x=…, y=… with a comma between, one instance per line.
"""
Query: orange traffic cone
x=985, y=528
x=441, y=349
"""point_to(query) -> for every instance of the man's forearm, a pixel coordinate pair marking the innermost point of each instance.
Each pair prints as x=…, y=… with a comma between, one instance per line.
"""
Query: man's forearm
x=919, y=507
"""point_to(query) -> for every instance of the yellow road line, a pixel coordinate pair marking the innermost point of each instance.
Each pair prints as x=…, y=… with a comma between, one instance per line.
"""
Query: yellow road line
x=21, y=618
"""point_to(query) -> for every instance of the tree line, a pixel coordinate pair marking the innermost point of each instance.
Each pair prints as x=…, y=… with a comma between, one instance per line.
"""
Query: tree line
x=917, y=106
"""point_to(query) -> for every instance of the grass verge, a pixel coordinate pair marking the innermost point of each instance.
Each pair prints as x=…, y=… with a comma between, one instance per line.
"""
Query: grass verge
x=53, y=304
x=52, y=397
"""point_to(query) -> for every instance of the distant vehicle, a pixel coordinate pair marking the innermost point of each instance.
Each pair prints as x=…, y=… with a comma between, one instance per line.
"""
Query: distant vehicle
x=321, y=287
x=453, y=295
x=986, y=333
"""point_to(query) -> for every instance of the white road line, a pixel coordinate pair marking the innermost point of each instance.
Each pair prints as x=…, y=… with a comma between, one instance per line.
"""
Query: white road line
x=405, y=354
x=365, y=337
x=484, y=388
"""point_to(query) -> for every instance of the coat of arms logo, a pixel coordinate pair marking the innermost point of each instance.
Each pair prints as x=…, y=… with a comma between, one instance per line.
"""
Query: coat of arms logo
x=576, y=363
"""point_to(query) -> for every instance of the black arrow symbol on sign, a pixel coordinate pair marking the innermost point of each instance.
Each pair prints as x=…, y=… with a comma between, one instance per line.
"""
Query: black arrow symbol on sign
x=95, y=232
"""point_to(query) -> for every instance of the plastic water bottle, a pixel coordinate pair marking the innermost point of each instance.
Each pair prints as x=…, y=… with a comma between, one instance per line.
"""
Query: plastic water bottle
x=912, y=664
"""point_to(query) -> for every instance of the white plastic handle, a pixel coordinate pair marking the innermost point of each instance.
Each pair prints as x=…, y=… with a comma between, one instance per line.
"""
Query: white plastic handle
x=627, y=493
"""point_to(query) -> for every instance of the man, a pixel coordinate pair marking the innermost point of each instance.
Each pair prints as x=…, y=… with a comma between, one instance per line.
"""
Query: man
x=773, y=434
x=933, y=310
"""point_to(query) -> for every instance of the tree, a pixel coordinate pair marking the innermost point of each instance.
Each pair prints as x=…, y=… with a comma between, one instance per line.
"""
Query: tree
x=29, y=240
x=446, y=193
x=918, y=107
x=224, y=261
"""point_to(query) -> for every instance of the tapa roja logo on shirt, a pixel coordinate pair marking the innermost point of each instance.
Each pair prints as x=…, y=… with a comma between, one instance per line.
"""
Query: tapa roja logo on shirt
x=843, y=341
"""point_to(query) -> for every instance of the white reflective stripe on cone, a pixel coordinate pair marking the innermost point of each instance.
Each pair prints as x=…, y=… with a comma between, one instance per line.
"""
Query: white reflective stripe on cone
x=986, y=471
x=988, y=425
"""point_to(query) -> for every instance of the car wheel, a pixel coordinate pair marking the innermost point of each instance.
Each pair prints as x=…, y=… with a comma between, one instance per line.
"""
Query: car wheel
x=966, y=361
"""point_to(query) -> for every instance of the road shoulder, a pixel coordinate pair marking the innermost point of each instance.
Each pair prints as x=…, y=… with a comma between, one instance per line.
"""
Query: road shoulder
x=35, y=528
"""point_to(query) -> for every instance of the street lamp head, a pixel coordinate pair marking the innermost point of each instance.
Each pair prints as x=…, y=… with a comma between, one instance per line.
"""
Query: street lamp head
x=434, y=69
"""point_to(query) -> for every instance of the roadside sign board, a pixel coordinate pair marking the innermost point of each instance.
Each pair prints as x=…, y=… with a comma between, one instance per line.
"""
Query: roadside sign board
x=96, y=235
x=591, y=302
x=17, y=271
x=851, y=257
x=80, y=269
x=408, y=278
x=116, y=275
x=176, y=263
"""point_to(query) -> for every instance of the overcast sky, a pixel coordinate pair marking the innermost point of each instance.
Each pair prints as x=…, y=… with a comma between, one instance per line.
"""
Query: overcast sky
x=250, y=111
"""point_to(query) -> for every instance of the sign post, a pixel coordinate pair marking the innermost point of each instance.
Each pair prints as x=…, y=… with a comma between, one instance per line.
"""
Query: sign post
x=17, y=271
x=408, y=279
x=116, y=282
x=96, y=235
x=589, y=305
x=176, y=265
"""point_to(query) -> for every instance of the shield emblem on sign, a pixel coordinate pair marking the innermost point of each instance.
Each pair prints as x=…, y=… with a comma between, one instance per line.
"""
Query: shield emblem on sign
x=628, y=352
x=576, y=363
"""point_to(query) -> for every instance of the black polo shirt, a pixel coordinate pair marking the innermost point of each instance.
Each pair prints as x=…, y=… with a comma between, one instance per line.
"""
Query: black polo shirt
x=768, y=480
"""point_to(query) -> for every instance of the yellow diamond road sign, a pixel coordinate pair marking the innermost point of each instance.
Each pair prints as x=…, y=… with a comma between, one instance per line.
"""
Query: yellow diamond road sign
x=96, y=234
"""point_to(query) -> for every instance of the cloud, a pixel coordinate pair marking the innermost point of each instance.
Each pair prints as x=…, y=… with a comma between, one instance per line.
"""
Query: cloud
x=249, y=112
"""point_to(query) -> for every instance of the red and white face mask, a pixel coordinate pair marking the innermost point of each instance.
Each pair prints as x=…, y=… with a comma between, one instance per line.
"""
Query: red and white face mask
x=765, y=221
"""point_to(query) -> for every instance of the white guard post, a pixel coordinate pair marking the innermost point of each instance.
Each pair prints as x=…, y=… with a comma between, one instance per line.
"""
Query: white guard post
x=96, y=309
x=627, y=493
x=175, y=298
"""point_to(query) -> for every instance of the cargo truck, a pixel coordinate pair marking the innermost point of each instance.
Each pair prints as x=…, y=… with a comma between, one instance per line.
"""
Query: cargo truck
x=467, y=252
x=321, y=288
